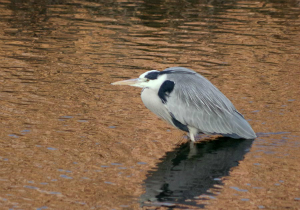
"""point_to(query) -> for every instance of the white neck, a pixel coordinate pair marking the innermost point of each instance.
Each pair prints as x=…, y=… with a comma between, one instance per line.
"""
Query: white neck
x=155, y=84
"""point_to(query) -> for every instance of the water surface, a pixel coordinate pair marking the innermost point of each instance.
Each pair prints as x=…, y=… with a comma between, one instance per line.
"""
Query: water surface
x=71, y=140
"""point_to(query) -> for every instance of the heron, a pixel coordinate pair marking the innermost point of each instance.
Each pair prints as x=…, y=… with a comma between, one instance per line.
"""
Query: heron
x=190, y=102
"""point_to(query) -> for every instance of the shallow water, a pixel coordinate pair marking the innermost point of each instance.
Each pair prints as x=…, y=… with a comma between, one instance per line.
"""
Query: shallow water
x=190, y=171
x=70, y=140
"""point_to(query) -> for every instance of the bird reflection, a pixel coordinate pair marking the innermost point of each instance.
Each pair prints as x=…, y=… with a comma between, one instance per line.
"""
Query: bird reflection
x=187, y=172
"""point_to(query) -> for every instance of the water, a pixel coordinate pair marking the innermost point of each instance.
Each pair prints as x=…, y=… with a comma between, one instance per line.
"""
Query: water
x=57, y=106
x=186, y=172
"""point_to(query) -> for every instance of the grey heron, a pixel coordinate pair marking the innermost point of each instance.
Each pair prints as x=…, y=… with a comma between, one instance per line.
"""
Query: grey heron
x=189, y=102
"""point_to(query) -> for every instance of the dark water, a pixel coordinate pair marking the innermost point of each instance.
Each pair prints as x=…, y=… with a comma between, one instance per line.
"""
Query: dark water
x=190, y=171
x=70, y=140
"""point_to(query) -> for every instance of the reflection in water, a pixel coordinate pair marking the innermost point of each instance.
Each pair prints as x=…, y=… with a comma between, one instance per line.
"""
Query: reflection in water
x=187, y=171
x=63, y=124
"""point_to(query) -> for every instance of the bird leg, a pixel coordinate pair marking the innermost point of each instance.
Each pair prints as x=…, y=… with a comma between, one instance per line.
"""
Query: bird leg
x=192, y=133
x=192, y=137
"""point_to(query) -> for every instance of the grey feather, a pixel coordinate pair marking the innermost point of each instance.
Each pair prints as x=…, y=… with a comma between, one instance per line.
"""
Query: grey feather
x=197, y=103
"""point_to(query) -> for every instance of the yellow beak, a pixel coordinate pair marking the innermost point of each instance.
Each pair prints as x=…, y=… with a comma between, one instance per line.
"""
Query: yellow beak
x=131, y=82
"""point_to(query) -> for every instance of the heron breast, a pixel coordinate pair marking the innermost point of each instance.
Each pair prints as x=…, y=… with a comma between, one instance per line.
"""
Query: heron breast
x=154, y=104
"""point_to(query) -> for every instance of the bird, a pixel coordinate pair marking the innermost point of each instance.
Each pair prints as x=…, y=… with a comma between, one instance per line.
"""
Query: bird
x=190, y=102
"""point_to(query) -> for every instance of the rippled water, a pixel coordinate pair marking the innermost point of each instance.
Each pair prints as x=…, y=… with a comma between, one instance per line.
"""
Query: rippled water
x=71, y=140
x=188, y=173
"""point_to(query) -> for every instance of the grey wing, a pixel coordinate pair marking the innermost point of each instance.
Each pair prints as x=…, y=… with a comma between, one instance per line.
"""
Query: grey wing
x=197, y=103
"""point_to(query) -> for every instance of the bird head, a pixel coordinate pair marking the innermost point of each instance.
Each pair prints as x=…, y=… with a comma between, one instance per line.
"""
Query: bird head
x=150, y=79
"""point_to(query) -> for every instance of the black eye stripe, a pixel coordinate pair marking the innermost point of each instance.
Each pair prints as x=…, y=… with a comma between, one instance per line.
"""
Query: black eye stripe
x=152, y=75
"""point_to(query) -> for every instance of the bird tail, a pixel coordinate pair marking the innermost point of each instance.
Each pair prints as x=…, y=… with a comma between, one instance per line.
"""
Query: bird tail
x=241, y=128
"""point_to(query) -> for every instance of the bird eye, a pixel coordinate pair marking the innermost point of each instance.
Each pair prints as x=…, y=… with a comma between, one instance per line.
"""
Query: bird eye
x=147, y=80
